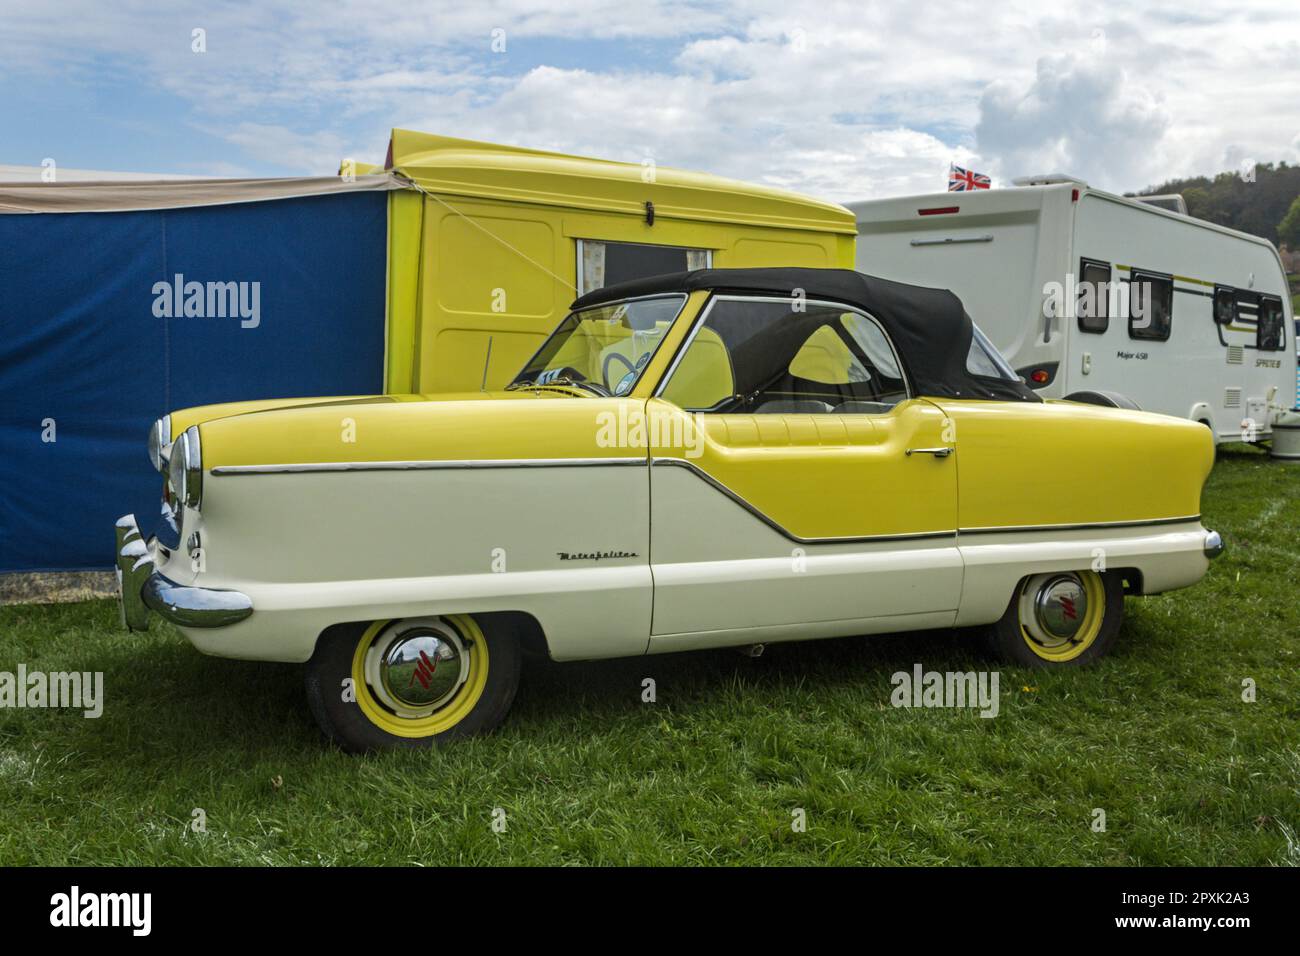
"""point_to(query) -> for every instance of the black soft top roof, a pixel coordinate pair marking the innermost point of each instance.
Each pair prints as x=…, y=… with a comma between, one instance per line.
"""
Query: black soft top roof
x=929, y=327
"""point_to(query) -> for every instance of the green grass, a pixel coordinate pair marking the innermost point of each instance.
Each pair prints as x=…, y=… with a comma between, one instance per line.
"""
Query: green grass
x=1156, y=735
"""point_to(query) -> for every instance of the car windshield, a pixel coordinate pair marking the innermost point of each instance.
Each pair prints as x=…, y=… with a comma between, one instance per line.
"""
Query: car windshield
x=602, y=349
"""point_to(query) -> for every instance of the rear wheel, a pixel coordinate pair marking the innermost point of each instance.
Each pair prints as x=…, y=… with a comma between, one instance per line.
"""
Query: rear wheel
x=1105, y=399
x=413, y=682
x=1060, y=619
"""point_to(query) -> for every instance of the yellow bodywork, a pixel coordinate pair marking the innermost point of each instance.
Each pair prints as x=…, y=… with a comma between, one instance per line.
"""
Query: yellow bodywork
x=827, y=476
x=816, y=477
x=1063, y=463
x=483, y=259
x=456, y=427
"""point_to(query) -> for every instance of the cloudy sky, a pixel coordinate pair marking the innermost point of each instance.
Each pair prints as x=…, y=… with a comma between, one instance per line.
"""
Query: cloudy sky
x=842, y=100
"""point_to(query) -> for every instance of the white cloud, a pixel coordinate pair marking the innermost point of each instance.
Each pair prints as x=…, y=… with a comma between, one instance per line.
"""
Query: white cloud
x=842, y=99
x=1081, y=116
x=314, y=153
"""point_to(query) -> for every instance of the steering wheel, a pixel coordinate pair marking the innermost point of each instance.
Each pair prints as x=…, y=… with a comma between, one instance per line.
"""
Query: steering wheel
x=604, y=371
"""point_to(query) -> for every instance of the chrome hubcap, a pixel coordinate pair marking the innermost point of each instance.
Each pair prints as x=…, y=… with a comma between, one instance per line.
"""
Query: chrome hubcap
x=417, y=668
x=1060, y=607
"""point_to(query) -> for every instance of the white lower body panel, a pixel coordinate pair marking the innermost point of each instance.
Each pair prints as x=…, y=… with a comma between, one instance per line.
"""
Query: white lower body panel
x=704, y=572
x=1167, y=556
x=722, y=575
x=587, y=613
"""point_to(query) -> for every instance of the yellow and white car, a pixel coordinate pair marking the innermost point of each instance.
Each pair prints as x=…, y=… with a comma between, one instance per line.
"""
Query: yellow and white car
x=706, y=459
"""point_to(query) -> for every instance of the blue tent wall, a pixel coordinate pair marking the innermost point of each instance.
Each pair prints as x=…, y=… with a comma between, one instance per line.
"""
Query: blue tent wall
x=80, y=347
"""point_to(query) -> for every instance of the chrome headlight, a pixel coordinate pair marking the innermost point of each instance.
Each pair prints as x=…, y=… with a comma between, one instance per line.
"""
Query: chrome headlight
x=160, y=443
x=185, y=468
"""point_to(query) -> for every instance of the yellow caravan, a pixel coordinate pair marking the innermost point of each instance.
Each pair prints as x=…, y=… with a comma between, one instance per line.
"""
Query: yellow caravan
x=494, y=242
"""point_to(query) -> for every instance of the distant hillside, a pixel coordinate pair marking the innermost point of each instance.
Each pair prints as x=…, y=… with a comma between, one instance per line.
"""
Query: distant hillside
x=1230, y=200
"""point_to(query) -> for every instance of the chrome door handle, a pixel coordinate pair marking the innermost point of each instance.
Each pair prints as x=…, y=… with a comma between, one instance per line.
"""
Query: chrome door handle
x=937, y=452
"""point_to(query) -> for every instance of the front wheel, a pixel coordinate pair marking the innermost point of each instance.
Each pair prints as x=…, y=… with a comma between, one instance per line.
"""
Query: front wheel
x=1060, y=619
x=412, y=683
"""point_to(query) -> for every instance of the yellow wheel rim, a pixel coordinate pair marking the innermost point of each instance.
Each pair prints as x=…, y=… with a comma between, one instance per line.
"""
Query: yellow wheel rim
x=1052, y=623
x=385, y=713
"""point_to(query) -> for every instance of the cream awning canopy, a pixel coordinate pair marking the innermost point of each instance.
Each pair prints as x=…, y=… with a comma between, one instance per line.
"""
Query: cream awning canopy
x=120, y=196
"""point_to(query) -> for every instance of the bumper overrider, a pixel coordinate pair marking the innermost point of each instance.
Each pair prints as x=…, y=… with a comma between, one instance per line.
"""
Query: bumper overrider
x=143, y=588
x=1214, y=544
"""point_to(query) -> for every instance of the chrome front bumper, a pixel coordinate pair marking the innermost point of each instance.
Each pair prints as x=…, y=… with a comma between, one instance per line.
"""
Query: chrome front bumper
x=143, y=588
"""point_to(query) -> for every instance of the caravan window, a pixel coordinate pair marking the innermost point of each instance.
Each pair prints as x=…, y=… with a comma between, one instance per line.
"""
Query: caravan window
x=1225, y=304
x=609, y=263
x=1094, y=290
x=1151, y=305
x=1270, y=334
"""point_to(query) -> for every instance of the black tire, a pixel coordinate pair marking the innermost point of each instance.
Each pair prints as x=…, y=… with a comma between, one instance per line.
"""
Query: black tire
x=1213, y=437
x=1104, y=399
x=1013, y=638
x=355, y=724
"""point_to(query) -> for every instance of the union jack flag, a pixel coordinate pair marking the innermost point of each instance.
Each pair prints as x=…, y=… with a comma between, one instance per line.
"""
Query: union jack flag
x=960, y=180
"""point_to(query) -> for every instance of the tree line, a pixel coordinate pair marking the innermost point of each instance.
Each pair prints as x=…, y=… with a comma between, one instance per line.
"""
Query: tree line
x=1263, y=200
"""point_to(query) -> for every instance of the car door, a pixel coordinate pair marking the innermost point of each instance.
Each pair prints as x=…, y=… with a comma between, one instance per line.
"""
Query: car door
x=795, y=483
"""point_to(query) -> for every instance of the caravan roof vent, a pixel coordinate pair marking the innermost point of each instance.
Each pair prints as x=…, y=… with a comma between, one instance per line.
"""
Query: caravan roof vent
x=1171, y=201
x=1048, y=179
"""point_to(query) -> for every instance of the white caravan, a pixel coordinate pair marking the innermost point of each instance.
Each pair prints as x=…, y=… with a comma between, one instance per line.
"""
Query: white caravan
x=1102, y=298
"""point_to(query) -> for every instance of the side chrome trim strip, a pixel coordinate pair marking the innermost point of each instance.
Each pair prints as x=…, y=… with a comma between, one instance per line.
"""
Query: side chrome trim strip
x=445, y=465
x=719, y=486
x=1096, y=525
